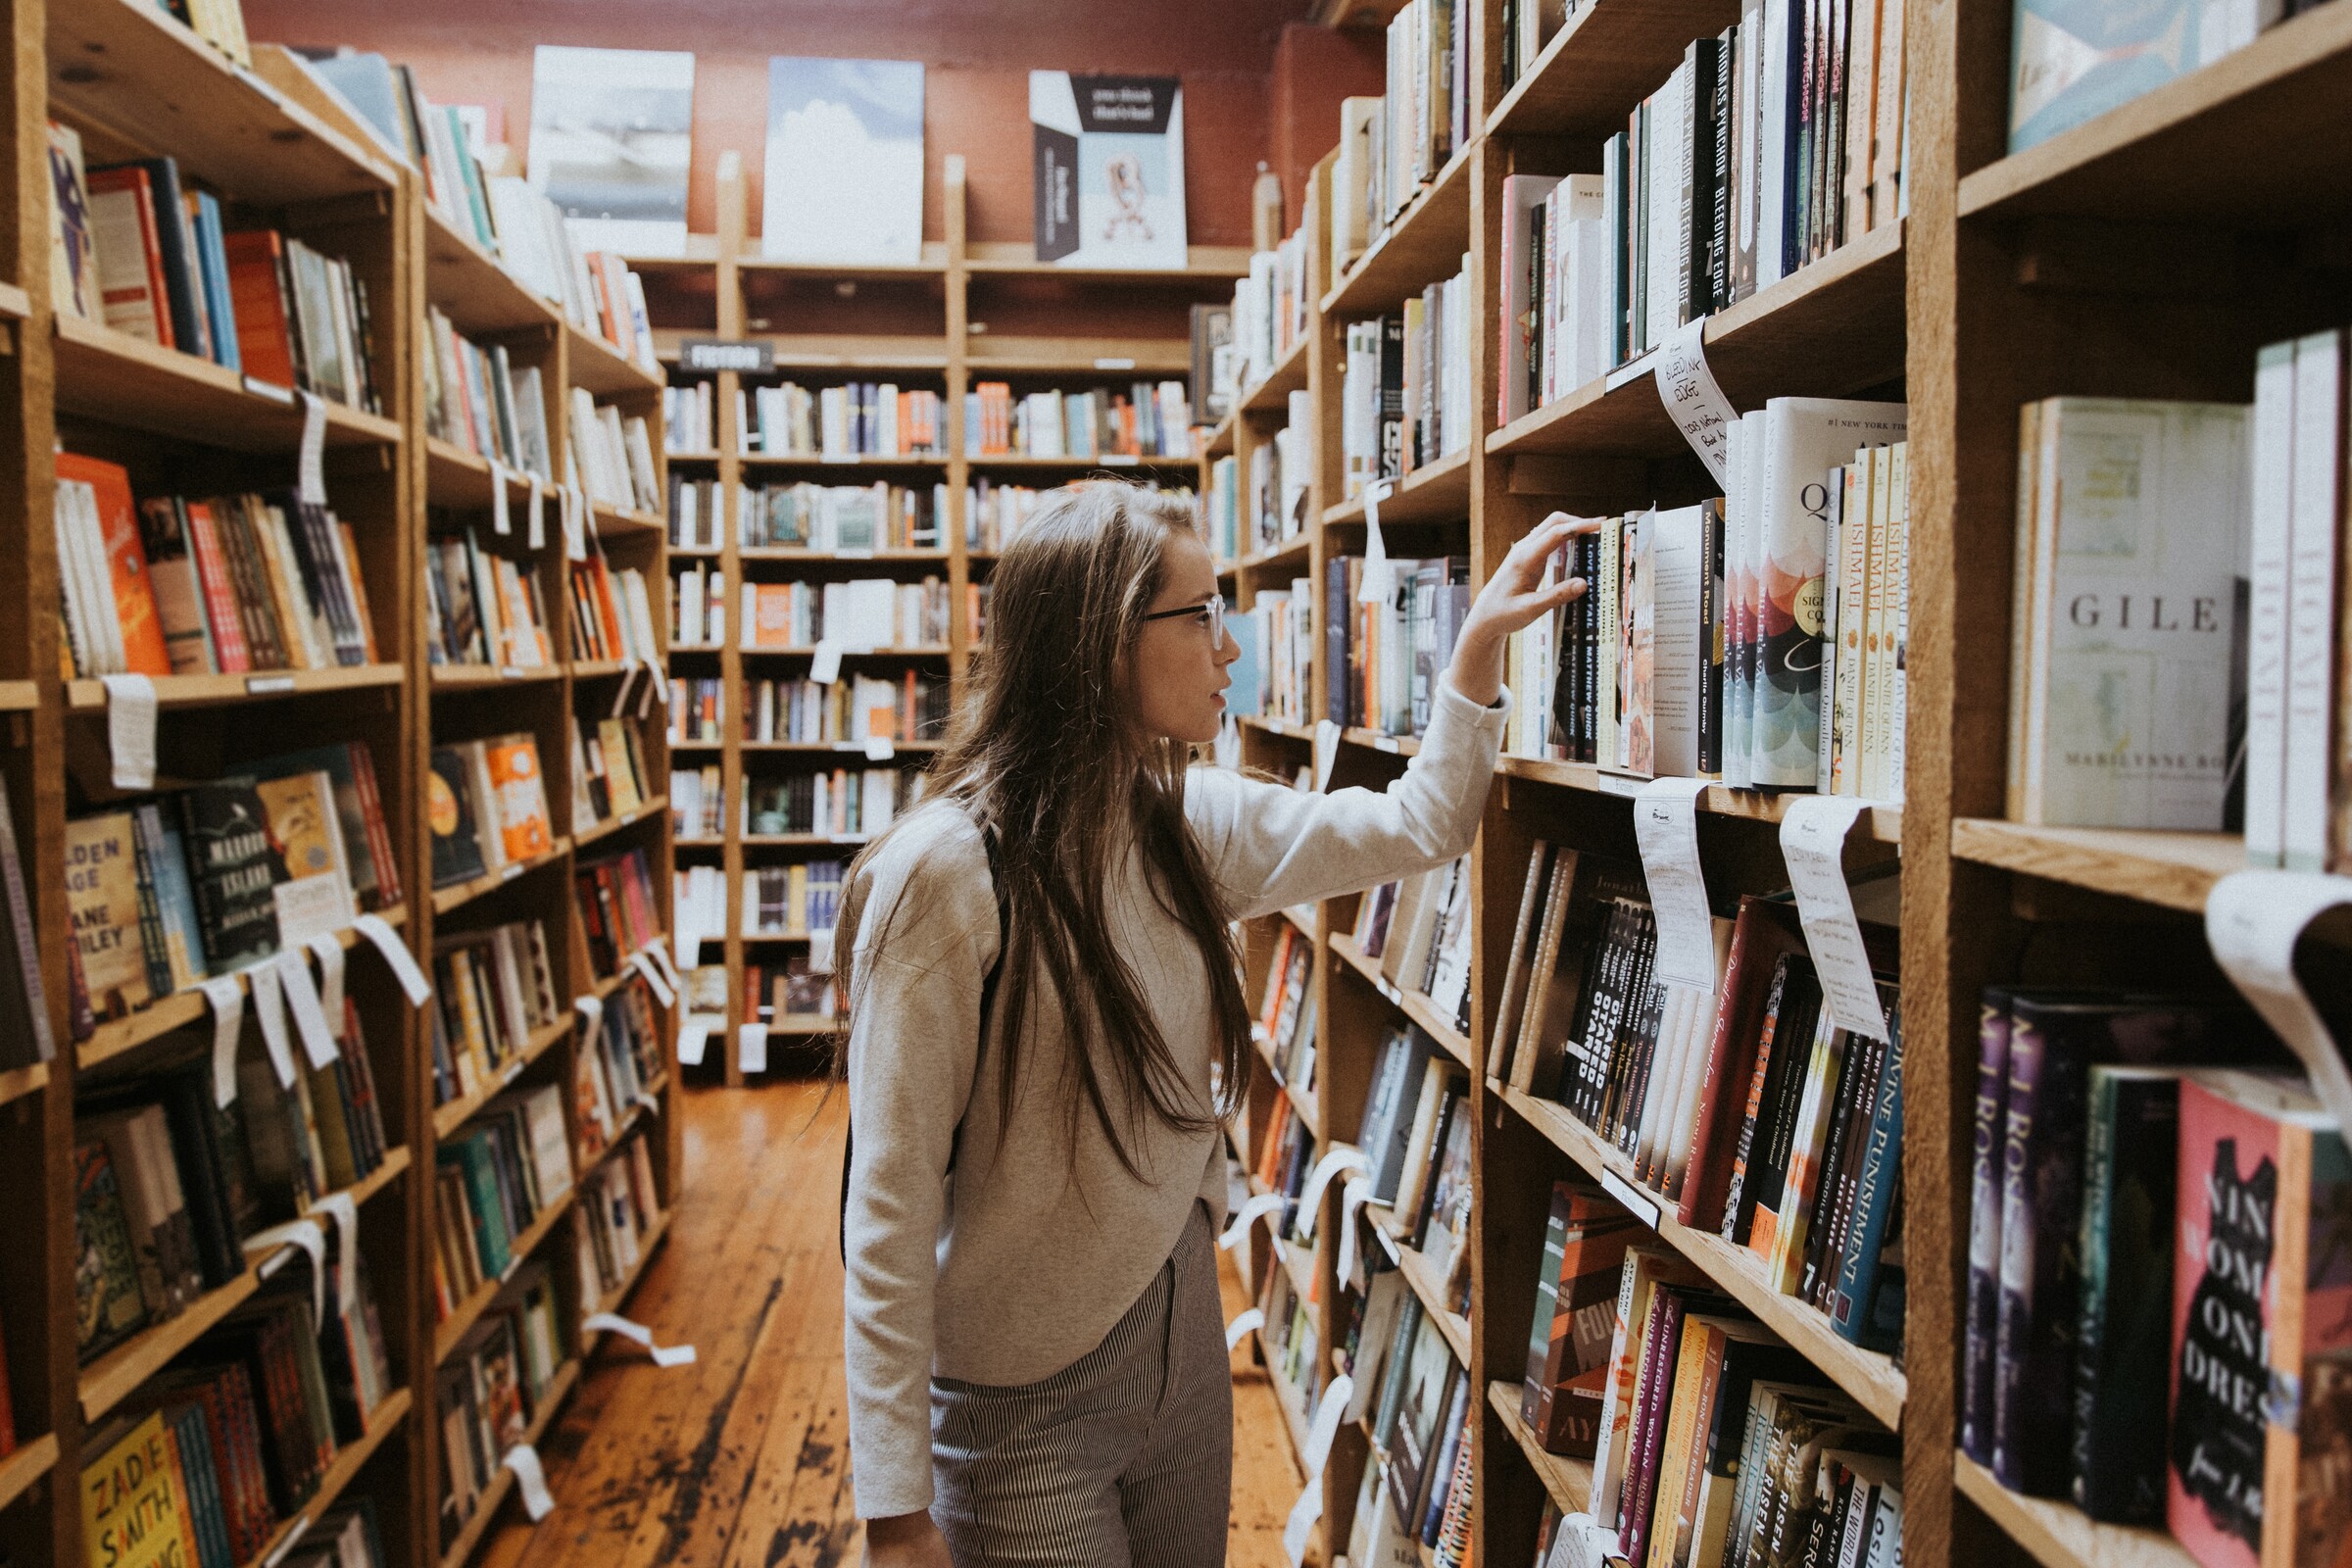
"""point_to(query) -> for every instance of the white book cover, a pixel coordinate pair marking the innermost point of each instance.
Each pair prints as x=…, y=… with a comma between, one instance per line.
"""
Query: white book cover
x=611, y=134
x=2314, y=511
x=1678, y=564
x=1108, y=165
x=2138, y=550
x=1523, y=197
x=845, y=161
x=2274, y=446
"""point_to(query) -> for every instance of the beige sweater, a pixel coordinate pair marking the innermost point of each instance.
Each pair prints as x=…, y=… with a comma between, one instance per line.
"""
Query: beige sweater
x=1019, y=1264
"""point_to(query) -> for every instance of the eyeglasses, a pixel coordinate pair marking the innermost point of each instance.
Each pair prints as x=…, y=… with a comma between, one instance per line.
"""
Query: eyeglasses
x=1213, y=610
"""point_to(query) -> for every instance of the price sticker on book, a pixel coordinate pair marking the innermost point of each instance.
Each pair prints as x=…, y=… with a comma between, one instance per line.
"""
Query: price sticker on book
x=309, y=470
x=2253, y=920
x=1666, y=827
x=501, y=520
x=1694, y=402
x=131, y=730
x=1813, y=843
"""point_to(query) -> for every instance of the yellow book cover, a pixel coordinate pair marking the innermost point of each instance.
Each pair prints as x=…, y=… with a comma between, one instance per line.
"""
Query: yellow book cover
x=315, y=899
x=621, y=772
x=134, y=1503
x=102, y=897
x=514, y=762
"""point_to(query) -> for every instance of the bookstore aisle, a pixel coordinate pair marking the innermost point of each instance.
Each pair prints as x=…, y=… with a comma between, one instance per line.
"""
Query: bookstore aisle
x=741, y=1460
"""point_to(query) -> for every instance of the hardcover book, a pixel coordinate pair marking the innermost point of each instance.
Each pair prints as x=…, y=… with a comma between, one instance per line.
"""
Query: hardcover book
x=236, y=866
x=102, y=897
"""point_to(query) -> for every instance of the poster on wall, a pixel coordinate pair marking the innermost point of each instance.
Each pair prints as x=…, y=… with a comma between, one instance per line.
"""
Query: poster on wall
x=611, y=134
x=1109, y=170
x=845, y=161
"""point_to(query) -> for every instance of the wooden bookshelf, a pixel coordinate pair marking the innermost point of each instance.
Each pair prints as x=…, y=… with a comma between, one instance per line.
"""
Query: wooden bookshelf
x=348, y=1460
x=2174, y=869
x=2059, y=1534
x=30, y=1461
x=1567, y=1481
x=486, y=1506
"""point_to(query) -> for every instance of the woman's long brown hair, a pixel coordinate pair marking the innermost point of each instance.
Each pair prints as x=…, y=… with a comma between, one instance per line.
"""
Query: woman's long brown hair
x=1046, y=756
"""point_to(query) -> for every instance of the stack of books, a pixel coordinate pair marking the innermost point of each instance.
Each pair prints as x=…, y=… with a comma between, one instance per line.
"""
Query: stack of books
x=479, y=400
x=791, y=900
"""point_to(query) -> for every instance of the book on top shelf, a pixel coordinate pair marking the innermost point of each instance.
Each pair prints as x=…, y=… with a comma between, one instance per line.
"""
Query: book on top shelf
x=1108, y=168
x=845, y=161
x=611, y=133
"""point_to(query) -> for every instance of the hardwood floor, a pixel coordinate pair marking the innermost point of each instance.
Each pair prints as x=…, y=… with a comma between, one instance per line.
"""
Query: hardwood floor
x=741, y=1459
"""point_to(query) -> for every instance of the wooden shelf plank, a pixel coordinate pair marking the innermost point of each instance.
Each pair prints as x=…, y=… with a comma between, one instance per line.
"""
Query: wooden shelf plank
x=1427, y=1284
x=858, y=460
x=1286, y=1394
x=461, y=893
x=458, y=478
x=448, y=1118
x=477, y=677
x=227, y=691
x=1568, y=1481
x=1021, y=462
x=1207, y=264
x=182, y=1007
x=804, y=650
x=603, y=369
x=1881, y=821
x=130, y=69
x=451, y=1329
x=1422, y=245
x=23, y=1081
x=2175, y=870
x=27, y=1465
x=911, y=557
x=474, y=288
x=1601, y=64
x=2060, y=1534
x=1436, y=492
x=15, y=303
x=1830, y=329
x=1290, y=553
x=615, y=824
x=113, y=376
x=1412, y=1004
x=1272, y=394
x=2238, y=141
x=19, y=696
x=485, y=1506
x=106, y=1381
x=347, y=1463
x=1872, y=1380
x=933, y=263
x=816, y=748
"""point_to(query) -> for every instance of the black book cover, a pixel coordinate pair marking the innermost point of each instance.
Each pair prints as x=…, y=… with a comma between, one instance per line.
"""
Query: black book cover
x=27, y=1005
x=1718, y=250
x=2124, y=1337
x=1793, y=1015
x=1704, y=107
x=236, y=867
x=457, y=849
x=1391, y=409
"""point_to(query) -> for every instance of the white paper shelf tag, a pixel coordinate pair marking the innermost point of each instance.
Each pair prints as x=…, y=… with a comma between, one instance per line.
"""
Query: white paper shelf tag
x=1353, y=1198
x=880, y=748
x=1327, y=752
x=694, y=1037
x=269, y=1011
x=530, y=1481
x=1263, y=1204
x=575, y=545
x=2253, y=920
x=627, y=1329
x=1692, y=400
x=689, y=943
x=653, y=978
x=227, y=994
x=750, y=1047
x=820, y=951
x=502, y=520
x=658, y=952
x=309, y=469
x=412, y=983
x=1666, y=827
x=1813, y=844
x=310, y=1237
x=1239, y=1329
x=536, y=515
x=131, y=730
x=302, y=1000
x=592, y=1013
x=1380, y=577
x=1343, y=1158
x=328, y=951
x=345, y=1210
x=824, y=666
x=1329, y=1413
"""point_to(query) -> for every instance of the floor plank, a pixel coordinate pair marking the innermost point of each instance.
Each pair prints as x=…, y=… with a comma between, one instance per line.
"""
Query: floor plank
x=742, y=1458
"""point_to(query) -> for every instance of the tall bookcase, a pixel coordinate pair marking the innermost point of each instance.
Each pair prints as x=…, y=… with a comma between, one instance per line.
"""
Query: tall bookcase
x=967, y=312
x=136, y=83
x=2010, y=279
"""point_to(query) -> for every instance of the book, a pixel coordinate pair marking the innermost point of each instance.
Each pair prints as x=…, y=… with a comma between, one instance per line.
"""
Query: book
x=1108, y=169
x=305, y=827
x=129, y=246
x=26, y=1036
x=108, y=522
x=108, y=913
x=134, y=1499
x=845, y=161
x=110, y=1305
x=237, y=868
x=74, y=280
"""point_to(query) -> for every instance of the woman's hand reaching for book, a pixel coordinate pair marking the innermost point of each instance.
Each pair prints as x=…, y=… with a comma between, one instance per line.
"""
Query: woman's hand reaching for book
x=906, y=1540
x=1512, y=598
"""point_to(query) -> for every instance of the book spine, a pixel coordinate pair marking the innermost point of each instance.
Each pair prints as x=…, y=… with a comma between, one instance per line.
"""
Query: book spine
x=1984, y=1230
x=2040, y=1190
x=1861, y=1265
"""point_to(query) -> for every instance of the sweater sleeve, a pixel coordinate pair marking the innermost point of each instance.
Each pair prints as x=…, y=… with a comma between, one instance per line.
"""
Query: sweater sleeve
x=1271, y=846
x=926, y=940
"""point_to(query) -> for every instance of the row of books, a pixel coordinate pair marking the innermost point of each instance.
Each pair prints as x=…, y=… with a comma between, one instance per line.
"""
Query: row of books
x=2147, y=1233
x=493, y=989
x=698, y=801
x=493, y=1178
x=136, y=249
x=856, y=419
x=167, y=1185
x=697, y=514
x=1418, y=928
x=697, y=606
x=791, y=900
x=620, y=1205
x=1149, y=420
x=1751, y=1110
x=1417, y=1136
x=992, y=514
x=1281, y=469
x=789, y=990
x=1269, y=316
x=913, y=707
x=690, y=418
x=861, y=612
x=618, y=1069
x=174, y=888
x=475, y=185
x=1393, y=146
x=1419, y=1404
x=611, y=618
x=611, y=776
x=697, y=711
x=173, y=586
x=482, y=607
x=1383, y=660
x=847, y=519
x=205, y=1461
x=1274, y=678
x=1289, y=1340
x=1286, y=1015
x=487, y=807
x=490, y=1389
x=842, y=803
x=1404, y=387
x=479, y=400
x=618, y=911
x=612, y=456
x=1218, y=515
x=25, y=1035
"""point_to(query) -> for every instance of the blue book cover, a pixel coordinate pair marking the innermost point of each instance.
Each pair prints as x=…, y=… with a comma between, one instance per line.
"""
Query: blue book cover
x=1247, y=696
x=2074, y=59
x=212, y=267
x=175, y=900
x=1867, y=1306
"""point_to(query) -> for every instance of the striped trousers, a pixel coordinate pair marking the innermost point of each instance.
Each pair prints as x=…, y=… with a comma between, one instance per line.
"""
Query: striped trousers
x=1122, y=1459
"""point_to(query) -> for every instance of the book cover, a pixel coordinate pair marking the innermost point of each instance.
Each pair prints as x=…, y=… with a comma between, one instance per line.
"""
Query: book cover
x=2121, y=1345
x=525, y=830
x=236, y=866
x=132, y=292
x=2073, y=60
x=108, y=1307
x=314, y=898
x=1107, y=170
x=450, y=815
x=845, y=161
x=134, y=1499
x=1762, y=934
x=27, y=1007
x=1982, y=1313
x=258, y=300
x=175, y=252
x=611, y=135
x=72, y=259
x=144, y=649
x=102, y=898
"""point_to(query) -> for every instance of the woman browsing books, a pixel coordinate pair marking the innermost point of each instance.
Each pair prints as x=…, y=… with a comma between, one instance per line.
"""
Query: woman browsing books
x=1041, y=984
